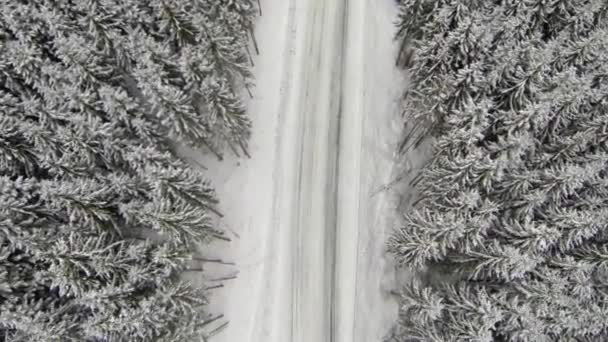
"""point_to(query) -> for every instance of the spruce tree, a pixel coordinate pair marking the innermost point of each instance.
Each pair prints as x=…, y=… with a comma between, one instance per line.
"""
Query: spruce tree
x=98, y=215
x=508, y=234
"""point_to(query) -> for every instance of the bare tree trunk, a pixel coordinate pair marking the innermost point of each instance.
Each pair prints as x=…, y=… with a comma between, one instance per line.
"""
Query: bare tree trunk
x=217, y=330
x=197, y=163
x=249, y=55
x=217, y=261
x=211, y=320
x=219, y=286
x=224, y=278
x=217, y=154
x=233, y=149
x=260, y=7
x=419, y=140
x=407, y=61
x=244, y=150
x=410, y=134
x=414, y=181
x=221, y=237
x=400, y=52
x=418, y=200
x=214, y=210
x=255, y=42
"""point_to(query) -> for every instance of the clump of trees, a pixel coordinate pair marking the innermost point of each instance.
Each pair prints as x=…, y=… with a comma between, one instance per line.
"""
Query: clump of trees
x=98, y=215
x=510, y=231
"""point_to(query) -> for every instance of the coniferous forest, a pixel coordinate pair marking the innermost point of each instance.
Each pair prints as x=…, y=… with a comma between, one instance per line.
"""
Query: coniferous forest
x=98, y=214
x=509, y=230
x=102, y=216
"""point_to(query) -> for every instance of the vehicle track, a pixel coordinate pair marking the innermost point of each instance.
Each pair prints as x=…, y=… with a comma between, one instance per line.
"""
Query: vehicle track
x=314, y=223
x=303, y=283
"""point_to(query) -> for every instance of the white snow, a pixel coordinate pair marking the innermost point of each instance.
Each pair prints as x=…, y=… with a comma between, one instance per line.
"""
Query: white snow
x=381, y=198
x=245, y=187
x=287, y=229
x=375, y=309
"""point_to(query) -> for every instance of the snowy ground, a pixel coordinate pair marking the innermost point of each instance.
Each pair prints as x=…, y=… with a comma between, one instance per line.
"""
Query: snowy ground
x=307, y=213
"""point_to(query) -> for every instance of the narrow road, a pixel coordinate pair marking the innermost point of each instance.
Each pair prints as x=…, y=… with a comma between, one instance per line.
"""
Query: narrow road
x=308, y=237
x=313, y=211
x=314, y=222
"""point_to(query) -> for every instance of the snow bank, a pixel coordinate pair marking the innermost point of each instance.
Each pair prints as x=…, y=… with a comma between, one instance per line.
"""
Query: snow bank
x=245, y=188
x=381, y=198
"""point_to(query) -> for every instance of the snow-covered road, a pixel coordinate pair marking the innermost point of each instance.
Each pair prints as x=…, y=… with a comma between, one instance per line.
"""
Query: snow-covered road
x=307, y=196
x=311, y=203
x=307, y=234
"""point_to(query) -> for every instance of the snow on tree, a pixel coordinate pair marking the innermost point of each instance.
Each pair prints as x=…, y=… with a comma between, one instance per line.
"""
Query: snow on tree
x=509, y=232
x=98, y=216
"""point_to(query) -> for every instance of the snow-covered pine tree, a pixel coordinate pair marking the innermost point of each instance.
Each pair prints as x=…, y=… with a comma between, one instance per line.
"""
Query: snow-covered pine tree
x=98, y=217
x=509, y=232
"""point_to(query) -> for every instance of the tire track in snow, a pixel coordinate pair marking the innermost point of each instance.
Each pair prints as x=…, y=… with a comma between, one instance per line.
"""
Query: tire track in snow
x=314, y=222
x=300, y=278
x=274, y=293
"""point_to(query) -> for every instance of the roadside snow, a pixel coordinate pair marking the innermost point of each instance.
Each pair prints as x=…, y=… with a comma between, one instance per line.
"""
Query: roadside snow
x=245, y=188
x=382, y=197
x=375, y=308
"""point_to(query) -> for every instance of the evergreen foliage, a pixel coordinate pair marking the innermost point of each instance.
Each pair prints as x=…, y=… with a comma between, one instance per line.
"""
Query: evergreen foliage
x=98, y=216
x=512, y=210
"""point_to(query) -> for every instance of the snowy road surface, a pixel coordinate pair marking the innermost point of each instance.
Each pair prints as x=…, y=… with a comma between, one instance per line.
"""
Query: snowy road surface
x=306, y=192
x=308, y=235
